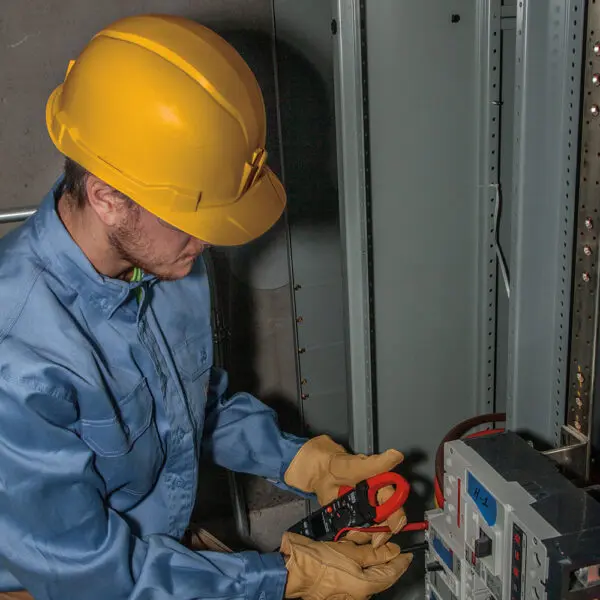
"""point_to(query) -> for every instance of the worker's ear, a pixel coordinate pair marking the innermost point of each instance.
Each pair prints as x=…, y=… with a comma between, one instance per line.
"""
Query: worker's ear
x=108, y=204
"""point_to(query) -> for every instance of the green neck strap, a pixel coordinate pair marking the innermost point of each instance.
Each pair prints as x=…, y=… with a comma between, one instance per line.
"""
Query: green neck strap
x=138, y=275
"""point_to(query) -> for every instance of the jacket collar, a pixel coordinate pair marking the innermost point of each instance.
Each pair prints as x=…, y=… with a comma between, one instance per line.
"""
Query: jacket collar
x=61, y=253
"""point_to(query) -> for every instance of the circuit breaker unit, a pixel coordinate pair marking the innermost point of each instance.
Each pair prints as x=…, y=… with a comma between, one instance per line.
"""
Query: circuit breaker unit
x=512, y=527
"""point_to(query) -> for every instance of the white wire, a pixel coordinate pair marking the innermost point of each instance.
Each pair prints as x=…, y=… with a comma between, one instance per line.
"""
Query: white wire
x=499, y=254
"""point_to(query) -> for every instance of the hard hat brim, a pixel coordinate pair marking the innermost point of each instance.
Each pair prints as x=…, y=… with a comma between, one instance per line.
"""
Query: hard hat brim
x=252, y=215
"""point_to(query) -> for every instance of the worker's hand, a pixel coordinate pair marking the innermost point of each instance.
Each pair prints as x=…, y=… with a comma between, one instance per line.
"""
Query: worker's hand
x=321, y=467
x=322, y=570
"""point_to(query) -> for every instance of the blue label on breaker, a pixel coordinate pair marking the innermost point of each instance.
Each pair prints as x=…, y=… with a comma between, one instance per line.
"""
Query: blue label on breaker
x=444, y=552
x=486, y=503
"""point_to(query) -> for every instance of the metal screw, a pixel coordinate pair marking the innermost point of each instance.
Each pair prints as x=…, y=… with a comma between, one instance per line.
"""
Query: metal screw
x=589, y=224
x=596, y=79
x=594, y=110
x=597, y=48
x=587, y=250
x=305, y=396
x=585, y=276
x=580, y=377
x=301, y=350
x=579, y=402
x=299, y=319
x=303, y=381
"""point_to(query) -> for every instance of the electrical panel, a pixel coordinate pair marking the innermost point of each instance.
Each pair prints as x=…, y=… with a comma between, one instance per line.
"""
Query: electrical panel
x=512, y=527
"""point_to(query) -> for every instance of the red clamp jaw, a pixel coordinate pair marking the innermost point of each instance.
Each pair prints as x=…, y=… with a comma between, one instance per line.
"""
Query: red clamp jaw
x=378, y=482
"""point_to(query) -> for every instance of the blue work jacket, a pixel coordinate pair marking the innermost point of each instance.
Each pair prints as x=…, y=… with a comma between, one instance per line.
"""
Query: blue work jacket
x=107, y=402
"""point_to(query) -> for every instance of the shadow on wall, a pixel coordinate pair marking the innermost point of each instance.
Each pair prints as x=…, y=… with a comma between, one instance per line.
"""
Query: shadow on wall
x=308, y=127
x=307, y=123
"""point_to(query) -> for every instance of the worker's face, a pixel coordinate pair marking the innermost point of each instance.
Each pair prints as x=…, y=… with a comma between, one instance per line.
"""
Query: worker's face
x=153, y=245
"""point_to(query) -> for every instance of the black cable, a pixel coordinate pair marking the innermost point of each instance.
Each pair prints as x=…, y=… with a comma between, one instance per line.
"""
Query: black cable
x=422, y=546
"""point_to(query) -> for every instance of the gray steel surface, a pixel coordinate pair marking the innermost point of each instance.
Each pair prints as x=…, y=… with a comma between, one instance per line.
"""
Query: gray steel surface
x=433, y=99
x=426, y=131
x=547, y=97
x=354, y=216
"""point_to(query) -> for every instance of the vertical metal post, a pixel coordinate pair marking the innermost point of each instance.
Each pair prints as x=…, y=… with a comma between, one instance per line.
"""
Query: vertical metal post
x=354, y=215
x=586, y=281
x=488, y=72
x=547, y=109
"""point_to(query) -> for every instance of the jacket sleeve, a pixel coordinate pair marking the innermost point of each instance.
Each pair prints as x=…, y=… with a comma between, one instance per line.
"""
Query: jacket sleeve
x=61, y=540
x=242, y=434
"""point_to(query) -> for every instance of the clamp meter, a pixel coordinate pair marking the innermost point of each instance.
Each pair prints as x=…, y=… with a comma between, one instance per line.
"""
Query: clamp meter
x=354, y=508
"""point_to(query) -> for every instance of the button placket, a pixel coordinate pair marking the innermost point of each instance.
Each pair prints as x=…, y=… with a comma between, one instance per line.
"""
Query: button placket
x=180, y=456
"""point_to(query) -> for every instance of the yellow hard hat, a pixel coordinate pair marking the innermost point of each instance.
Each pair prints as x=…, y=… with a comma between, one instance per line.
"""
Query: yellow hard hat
x=167, y=112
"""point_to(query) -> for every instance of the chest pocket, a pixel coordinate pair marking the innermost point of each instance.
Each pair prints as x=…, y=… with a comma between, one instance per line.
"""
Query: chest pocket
x=194, y=359
x=128, y=450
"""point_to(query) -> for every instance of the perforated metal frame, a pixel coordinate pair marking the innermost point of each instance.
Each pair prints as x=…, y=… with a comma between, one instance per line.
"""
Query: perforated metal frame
x=586, y=282
x=490, y=16
x=547, y=108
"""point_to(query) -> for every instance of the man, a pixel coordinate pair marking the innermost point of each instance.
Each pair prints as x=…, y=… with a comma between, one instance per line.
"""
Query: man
x=107, y=392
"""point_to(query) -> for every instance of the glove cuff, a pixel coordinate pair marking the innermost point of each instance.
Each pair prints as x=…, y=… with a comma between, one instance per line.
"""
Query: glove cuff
x=311, y=464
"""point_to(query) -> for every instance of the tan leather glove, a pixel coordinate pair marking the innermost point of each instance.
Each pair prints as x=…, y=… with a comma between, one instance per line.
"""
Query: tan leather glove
x=321, y=467
x=321, y=570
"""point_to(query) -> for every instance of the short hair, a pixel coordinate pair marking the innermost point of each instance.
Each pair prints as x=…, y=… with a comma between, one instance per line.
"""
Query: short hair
x=74, y=184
